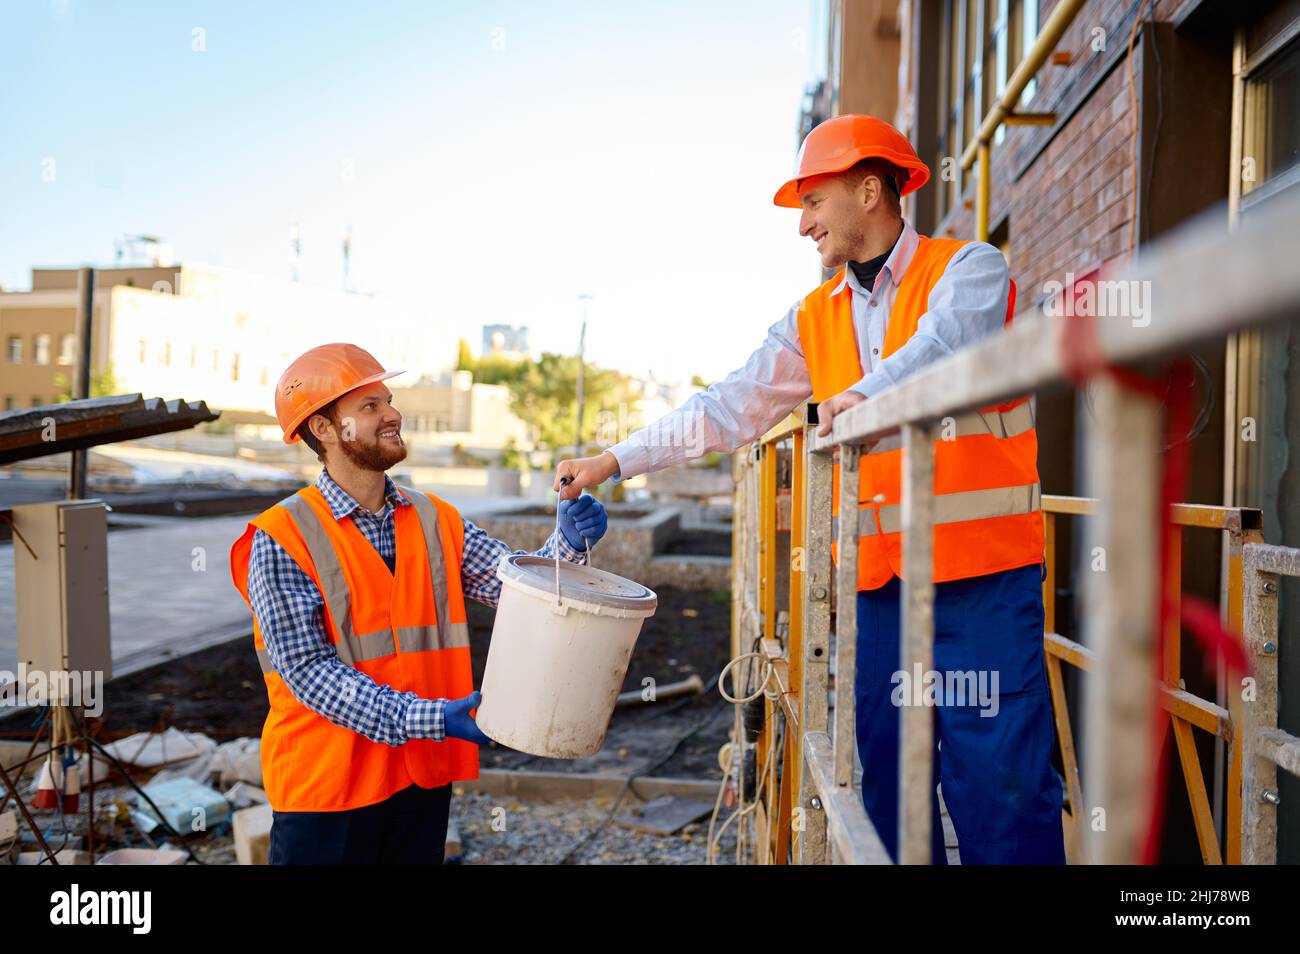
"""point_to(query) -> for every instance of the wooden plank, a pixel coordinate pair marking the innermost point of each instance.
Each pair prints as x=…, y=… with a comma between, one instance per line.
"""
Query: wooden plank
x=1199, y=712
x=1236, y=619
x=1206, y=835
x=1281, y=748
x=810, y=823
x=1126, y=437
x=1206, y=516
x=916, y=750
x=1171, y=664
x=785, y=796
x=846, y=618
x=767, y=542
x=1049, y=582
x=856, y=840
x=1065, y=735
x=798, y=550
x=1259, y=710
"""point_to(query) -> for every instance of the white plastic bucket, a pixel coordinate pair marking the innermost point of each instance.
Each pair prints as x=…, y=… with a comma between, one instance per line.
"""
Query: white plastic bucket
x=555, y=666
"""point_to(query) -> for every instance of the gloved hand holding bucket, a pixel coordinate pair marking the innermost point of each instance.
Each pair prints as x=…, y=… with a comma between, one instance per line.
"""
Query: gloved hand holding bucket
x=561, y=644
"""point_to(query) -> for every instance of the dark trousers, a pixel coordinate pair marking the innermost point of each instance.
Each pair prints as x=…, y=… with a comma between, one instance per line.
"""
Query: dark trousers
x=1001, y=791
x=407, y=828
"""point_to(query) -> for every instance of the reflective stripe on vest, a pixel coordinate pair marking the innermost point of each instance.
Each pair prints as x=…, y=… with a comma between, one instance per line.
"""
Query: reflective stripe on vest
x=953, y=508
x=997, y=423
x=351, y=647
x=978, y=530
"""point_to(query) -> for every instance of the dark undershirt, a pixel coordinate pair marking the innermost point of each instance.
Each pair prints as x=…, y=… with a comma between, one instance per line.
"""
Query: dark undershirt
x=867, y=271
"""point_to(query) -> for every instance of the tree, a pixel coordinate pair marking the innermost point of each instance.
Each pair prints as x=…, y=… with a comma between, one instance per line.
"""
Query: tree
x=464, y=357
x=102, y=384
x=544, y=395
x=498, y=370
x=698, y=382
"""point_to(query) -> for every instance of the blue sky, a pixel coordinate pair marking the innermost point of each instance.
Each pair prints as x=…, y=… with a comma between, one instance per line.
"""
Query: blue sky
x=494, y=159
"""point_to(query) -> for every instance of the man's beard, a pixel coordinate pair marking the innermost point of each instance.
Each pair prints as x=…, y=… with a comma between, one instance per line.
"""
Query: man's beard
x=373, y=456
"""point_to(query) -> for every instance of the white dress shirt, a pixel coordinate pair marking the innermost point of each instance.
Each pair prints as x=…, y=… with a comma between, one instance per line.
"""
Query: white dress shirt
x=968, y=303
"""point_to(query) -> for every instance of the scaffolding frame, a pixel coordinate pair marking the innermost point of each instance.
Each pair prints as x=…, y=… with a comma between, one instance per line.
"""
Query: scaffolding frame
x=812, y=812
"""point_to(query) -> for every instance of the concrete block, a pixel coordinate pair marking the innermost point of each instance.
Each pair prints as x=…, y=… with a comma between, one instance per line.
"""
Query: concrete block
x=252, y=830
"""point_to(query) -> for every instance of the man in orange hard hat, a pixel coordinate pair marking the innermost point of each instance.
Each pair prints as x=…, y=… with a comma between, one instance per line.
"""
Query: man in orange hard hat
x=897, y=302
x=358, y=589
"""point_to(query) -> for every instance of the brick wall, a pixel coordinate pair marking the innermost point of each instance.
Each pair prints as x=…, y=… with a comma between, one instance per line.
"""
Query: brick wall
x=1068, y=191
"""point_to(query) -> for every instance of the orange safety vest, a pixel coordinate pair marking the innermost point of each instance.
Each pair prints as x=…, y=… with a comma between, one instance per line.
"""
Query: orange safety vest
x=405, y=629
x=987, y=497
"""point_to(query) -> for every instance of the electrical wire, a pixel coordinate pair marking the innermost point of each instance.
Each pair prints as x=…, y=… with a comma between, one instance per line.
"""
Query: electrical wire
x=162, y=819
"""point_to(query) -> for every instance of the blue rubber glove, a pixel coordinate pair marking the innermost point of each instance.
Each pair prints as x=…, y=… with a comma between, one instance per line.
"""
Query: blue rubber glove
x=583, y=519
x=460, y=724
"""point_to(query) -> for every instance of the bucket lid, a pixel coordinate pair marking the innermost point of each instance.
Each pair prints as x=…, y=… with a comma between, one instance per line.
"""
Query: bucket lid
x=584, y=583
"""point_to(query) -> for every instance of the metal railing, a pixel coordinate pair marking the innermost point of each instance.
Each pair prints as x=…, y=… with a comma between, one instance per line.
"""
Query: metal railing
x=812, y=808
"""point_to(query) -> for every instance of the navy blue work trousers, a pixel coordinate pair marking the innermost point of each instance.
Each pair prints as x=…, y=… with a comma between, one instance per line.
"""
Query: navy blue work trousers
x=994, y=726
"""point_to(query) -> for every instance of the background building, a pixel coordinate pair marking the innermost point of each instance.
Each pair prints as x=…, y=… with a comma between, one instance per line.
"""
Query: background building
x=201, y=331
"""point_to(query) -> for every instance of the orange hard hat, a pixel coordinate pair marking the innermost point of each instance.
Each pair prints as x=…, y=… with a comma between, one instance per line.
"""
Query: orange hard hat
x=318, y=377
x=840, y=142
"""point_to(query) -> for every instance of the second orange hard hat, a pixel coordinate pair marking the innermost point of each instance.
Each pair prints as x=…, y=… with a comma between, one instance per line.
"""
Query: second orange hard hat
x=843, y=141
x=317, y=377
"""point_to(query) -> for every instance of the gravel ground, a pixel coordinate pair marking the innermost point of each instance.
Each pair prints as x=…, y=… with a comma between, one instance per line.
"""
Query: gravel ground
x=219, y=691
x=494, y=831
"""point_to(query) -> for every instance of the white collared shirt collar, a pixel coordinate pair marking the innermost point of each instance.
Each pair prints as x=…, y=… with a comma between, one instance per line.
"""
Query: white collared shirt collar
x=895, y=266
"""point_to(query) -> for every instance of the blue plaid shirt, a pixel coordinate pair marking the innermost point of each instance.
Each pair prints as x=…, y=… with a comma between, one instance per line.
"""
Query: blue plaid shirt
x=290, y=611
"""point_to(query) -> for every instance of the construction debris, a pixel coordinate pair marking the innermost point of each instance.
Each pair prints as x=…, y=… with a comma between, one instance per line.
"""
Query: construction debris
x=665, y=815
x=252, y=829
x=692, y=686
x=453, y=850
x=185, y=804
x=68, y=856
x=9, y=838
x=143, y=856
x=243, y=795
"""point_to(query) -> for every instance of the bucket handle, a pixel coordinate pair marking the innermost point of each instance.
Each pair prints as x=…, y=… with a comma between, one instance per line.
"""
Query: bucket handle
x=563, y=482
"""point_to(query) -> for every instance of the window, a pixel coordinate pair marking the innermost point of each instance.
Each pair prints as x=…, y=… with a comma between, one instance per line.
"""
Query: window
x=167, y=354
x=983, y=41
x=1271, y=140
x=67, y=349
x=234, y=368
x=15, y=349
x=36, y=402
x=194, y=357
x=10, y=403
x=41, y=349
x=216, y=360
x=144, y=351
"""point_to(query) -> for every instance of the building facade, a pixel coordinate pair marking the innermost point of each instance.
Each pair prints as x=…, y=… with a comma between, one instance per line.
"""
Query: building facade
x=1145, y=115
x=199, y=331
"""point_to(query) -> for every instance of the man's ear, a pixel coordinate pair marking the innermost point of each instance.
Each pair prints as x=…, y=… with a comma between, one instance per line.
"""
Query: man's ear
x=320, y=426
x=871, y=190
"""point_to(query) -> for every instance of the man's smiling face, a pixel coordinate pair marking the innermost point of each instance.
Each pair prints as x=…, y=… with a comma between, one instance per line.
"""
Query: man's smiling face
x=834, y=217
x=370, y=428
